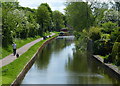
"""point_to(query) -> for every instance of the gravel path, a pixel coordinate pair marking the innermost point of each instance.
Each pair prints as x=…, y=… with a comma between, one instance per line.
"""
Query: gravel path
x=10, y=58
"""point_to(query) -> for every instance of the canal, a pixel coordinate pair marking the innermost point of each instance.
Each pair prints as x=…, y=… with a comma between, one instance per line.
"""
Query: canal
x=60, y=63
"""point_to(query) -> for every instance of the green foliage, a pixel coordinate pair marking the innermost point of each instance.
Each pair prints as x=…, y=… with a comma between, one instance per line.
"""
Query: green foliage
x=105, y=37
x=10, y=5
x=43, y=18
x=111, y=15
x=48, y=7
x=23, y=22
x=105, y=12
x=95, y=33
x=108, y=27
x=101, y=47
x=17, y=23
x=77, y=17
x=58, y=21
x=98, y=15
x=76, y=34
x=115, y=34
x=118, y=39
x=82, y=39
x=106, y=30
x=116, y=53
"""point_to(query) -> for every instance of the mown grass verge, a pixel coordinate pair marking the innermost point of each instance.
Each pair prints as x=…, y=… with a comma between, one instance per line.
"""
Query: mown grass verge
x=11, y=71
x=20, y=42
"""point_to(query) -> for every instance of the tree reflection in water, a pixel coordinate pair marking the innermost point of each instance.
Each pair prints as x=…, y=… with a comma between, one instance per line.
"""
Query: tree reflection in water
x=60, y=62
x=54, y=46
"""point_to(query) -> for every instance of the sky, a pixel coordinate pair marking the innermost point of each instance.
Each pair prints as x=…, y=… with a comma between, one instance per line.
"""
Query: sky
x=54, y=4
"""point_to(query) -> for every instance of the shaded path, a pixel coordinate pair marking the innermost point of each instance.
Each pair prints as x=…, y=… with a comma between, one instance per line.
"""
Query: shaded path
x=10, y=58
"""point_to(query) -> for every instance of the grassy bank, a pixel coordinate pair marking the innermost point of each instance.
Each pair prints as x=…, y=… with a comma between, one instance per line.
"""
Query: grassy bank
x=20, y=42
x=11, y=71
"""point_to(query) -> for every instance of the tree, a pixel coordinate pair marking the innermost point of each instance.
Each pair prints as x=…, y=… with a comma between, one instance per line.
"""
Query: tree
x=58, y=21
x=17, y=22
x=50, y=11
x=43, y=18
x=118, y=9
x=8, y=23
x=117, y=6
x=79, y=15
x=111, y=15
x=98, y=10
x=108, y=27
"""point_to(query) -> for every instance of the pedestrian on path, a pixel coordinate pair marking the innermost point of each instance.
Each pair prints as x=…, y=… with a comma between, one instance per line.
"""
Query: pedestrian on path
x=14, y=48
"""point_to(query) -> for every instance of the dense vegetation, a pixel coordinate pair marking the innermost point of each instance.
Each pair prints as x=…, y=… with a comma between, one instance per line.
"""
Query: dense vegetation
x=99, y=23
x=22, y=22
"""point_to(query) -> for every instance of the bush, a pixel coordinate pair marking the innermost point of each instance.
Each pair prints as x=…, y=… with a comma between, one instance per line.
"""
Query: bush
x=102, y=47
x=108, y=27
x=105, y=37
x=76, y=34
x=95, y=33
x=115, y=34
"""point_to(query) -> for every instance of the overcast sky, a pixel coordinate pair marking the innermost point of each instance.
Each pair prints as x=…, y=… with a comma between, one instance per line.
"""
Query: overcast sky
x=54, y=4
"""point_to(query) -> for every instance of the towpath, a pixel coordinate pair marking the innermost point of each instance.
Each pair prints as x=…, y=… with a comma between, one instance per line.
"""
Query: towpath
x=10, y=58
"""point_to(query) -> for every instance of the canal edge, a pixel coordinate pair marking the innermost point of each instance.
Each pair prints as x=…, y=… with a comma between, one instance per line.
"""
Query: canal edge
x=29, y=64
x=112, y=69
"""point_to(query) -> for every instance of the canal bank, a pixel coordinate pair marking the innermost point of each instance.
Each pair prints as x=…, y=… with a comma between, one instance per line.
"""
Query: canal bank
x=26, y=68
x=111, y=69
x=12, y=70
x=64, y=64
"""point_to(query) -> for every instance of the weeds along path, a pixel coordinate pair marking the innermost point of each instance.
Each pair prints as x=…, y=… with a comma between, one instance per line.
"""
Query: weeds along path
x=10, y=58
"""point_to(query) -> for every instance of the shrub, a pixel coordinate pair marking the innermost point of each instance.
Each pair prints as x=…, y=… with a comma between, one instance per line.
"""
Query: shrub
x=77, y=34
x=102, y=47
x=95, y=33
x=105, y=37
x=108, y=27
x=115, y=34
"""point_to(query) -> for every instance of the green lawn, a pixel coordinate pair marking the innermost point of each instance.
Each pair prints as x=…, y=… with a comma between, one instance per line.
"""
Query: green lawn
x=20, y=42
x=10, y=71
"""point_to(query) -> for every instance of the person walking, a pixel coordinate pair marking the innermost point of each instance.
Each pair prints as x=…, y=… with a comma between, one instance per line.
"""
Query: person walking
x=14, y=49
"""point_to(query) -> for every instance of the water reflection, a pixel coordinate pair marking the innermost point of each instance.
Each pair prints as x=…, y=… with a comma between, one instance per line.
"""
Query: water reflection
x=60, y=63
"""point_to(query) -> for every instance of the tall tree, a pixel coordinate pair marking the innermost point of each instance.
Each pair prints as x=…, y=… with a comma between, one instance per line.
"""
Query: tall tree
x=58, y=21
x=8, y=23
x=79, y=15
x=43, y=18
x=49, y=9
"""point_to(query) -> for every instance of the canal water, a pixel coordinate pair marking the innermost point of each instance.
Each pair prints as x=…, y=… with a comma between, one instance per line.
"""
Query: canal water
x=60, y=63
